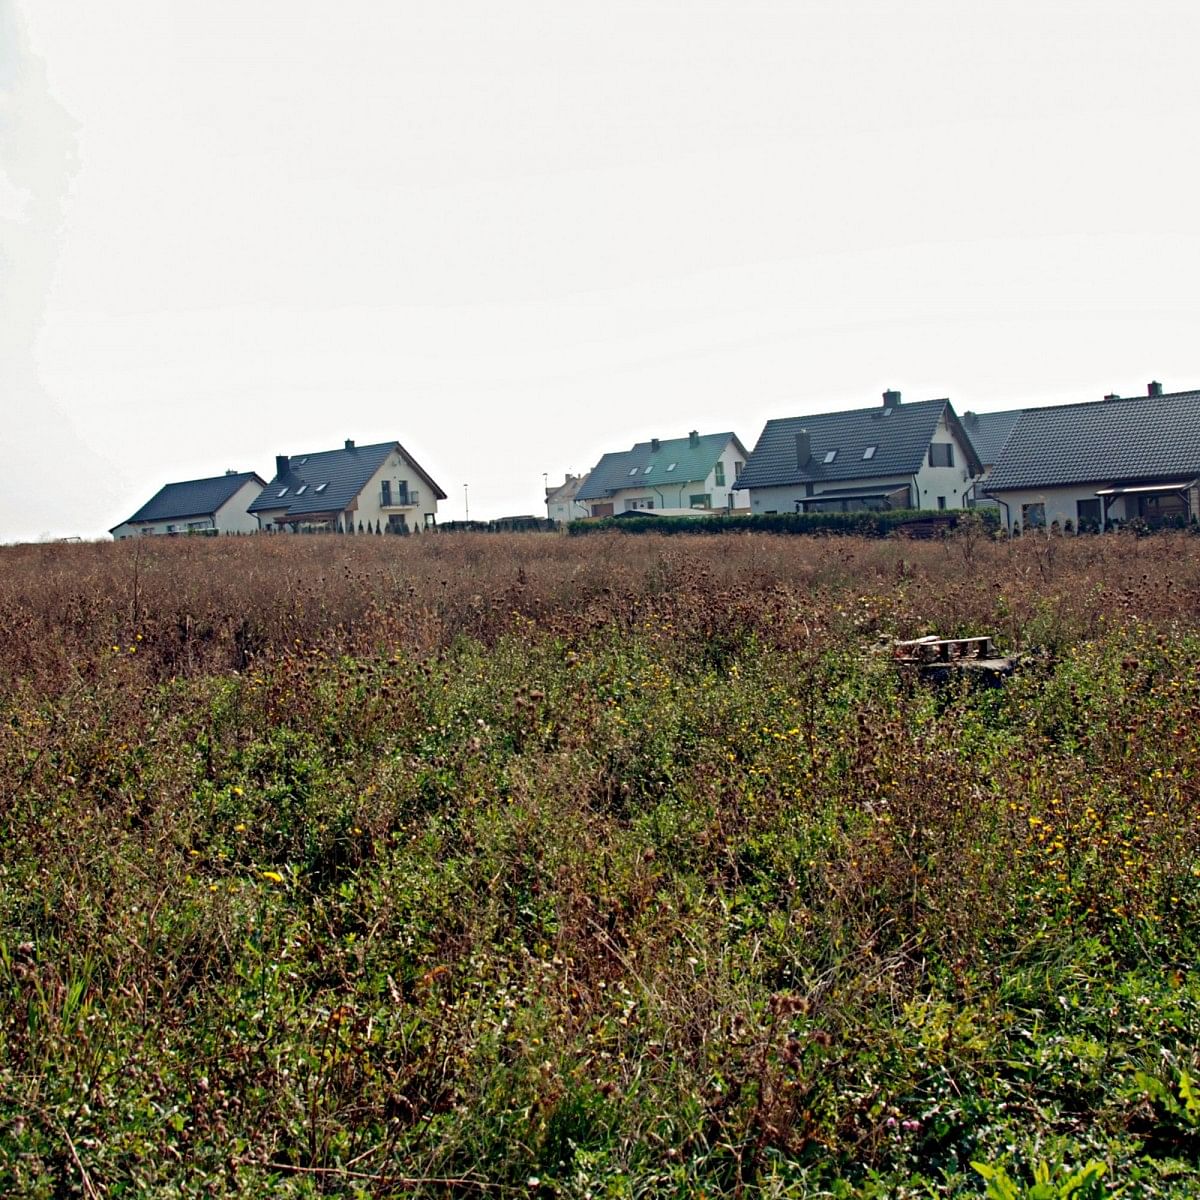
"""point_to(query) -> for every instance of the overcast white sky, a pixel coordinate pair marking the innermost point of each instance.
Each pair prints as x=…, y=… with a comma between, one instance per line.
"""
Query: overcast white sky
x=515, y=236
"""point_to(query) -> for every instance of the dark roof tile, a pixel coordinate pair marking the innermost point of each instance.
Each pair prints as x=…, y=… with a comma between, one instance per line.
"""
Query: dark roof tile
x=1102, y=441
x=989, y=431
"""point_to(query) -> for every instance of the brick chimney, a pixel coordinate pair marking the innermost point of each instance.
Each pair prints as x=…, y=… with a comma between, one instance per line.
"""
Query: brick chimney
x=891, y=399
x=349, y=443
x=1154, y=388
x=282, y=465
x=655, y=445
x=693, y=438
x=803, y=448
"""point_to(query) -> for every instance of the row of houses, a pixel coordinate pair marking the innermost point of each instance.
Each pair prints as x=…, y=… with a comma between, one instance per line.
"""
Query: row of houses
x=1081, y=466
x=1090, y=465
x=355, y=489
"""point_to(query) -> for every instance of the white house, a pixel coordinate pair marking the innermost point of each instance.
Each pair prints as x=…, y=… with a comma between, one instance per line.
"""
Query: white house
x=207, y=506
x=562, y=504
x=357, y=489
x=890, y=456
x=695, y=472
x=1102, y=463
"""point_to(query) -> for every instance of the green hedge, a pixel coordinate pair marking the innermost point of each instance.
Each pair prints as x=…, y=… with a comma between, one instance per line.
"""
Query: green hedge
x=863, y=524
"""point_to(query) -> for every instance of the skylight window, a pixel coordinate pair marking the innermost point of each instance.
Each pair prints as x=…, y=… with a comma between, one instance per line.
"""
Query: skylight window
x=320, y=487
x=304, y=460
x=887, y=412
x=672, y=466
x=282, y=492
x=302, y=489
x=869, y=452
x=633, y=470
x=648, y=469
x=830, y=455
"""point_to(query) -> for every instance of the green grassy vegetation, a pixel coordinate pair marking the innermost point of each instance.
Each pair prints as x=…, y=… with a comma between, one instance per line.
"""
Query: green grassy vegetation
x=610, y=867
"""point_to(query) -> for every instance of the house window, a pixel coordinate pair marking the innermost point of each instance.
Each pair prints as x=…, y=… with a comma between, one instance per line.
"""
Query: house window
x=700, y=501
x=638, y=502
x=941, y=502
x=385, y=491
x=633, y=470
x=302, y=489
x=321, y=487
x=1087, y=514
x=830, y=455
x=738, y=468
x=282, y=492
x=869, y=453
x=648, y=469
x=719, y=474
x=672, y=466
x=1033, y=516
x=941, y=454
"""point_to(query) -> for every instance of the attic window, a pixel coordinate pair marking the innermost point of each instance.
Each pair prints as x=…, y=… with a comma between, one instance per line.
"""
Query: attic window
x=320, y=487
x=887, y=412
x=830, y=455
x=302, y=489
x=869, y=452
x=282, y=492
x=303, y=460
x=648, y=469
x=672, y=466
x=633, y=470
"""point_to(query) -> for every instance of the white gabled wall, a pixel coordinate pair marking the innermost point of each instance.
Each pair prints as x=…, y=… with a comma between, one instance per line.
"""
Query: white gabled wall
x=232, y=516
x=398, y=470
x=954, y=483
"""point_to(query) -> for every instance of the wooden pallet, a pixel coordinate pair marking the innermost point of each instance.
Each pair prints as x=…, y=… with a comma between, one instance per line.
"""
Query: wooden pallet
x=943, y=650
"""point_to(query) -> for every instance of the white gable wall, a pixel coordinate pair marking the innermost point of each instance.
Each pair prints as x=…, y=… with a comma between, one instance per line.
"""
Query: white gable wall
x=398, y=471
x=232, y=516
x=952, y=483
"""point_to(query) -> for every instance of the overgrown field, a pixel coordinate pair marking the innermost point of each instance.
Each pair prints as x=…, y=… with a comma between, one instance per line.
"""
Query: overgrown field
x=527, y=865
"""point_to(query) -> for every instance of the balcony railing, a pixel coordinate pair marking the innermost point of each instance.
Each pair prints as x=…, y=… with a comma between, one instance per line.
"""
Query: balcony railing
x=390, y=499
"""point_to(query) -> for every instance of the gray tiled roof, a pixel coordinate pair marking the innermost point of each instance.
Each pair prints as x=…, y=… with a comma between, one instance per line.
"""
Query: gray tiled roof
x=193, y=498
x=628, y=468
x=344, y=473
x=901, y=436
x=1104, y=441
x=989, y=431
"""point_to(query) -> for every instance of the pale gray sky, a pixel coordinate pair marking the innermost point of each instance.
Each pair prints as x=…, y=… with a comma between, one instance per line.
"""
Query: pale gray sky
x=515, y=236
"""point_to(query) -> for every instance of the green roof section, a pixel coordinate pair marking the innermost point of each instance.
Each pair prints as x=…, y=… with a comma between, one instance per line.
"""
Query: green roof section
x=666, y=462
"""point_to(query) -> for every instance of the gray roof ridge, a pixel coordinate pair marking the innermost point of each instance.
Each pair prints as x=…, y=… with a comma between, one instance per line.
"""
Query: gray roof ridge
x=907, y=405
